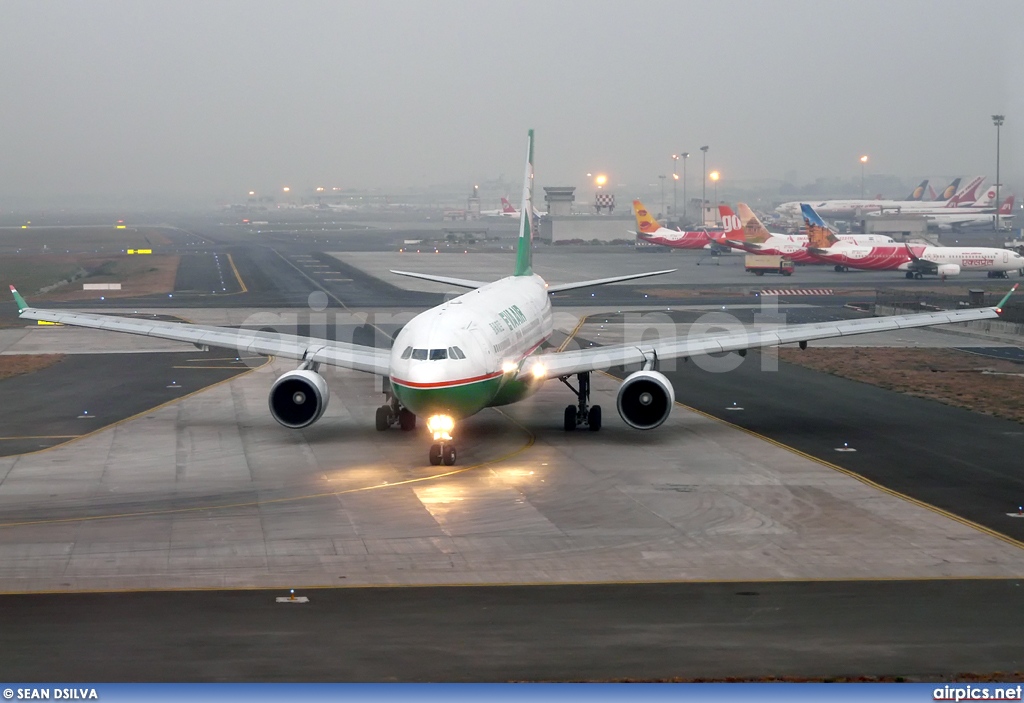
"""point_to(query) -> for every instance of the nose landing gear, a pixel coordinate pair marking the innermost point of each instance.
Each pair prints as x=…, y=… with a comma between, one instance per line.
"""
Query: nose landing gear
x=442, y=453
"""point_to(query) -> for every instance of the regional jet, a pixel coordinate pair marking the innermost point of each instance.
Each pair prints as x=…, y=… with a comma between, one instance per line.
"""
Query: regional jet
x=485, y=348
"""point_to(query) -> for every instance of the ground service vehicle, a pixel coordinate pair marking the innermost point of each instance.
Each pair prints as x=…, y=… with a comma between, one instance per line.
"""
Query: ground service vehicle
x=760, y=264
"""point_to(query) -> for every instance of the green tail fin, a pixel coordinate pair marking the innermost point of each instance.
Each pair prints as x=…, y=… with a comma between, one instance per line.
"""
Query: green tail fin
x=524, y=252
x=22, y=305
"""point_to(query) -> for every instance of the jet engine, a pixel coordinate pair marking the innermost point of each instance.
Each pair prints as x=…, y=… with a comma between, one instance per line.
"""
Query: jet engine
x=299, y=398
x=948, y=270
x=645, y=399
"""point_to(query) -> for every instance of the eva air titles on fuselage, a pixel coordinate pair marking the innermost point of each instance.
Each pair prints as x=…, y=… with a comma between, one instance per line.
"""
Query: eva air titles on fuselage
x=513, y=317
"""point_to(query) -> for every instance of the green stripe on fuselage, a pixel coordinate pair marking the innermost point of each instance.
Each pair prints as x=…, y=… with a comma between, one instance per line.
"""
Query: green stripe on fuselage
x=458, y=401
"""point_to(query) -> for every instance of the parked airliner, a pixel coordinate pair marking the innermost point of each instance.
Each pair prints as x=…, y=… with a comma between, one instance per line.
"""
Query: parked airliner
x=915, y=260
x=746, y=232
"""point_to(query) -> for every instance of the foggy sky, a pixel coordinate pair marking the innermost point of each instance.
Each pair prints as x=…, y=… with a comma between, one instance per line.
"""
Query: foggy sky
x=207, y=100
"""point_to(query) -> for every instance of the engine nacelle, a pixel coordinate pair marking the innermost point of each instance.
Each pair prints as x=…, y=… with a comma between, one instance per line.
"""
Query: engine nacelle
x=299, y=398
x=645, y=399
x=948, y=269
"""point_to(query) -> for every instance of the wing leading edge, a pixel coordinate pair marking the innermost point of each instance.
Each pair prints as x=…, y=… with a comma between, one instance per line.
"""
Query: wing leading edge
x=286, y=346
x=578, y=361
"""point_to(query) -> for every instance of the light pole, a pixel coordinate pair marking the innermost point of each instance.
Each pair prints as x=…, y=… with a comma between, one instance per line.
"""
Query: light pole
x=685, y=155
x=997, y=120
x=662, y=179
x=863, y=160
x=675, y=180
x=704, y=186
x=714, y=176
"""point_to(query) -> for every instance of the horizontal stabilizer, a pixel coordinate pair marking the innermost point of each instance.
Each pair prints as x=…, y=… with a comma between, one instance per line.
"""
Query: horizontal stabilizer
x=458, y=282
x=602, y=281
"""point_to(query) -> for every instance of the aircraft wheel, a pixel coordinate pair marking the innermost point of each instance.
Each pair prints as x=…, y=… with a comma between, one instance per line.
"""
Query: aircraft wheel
x=448, y=455
x=570, y=418
x=406, y=420
x=910, y=274
x=594, y=418
x=435, y=454
x=383, y=418
x=837, y=268
x=918, y=275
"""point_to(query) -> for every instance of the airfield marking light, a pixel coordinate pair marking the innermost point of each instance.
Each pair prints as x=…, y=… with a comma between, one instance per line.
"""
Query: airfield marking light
x=441, y=426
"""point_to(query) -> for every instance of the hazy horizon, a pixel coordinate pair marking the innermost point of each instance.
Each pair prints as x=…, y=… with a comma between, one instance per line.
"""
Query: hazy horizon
x=207, y=100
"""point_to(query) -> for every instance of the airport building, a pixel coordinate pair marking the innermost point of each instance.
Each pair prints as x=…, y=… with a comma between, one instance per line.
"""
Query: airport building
x=601, y=222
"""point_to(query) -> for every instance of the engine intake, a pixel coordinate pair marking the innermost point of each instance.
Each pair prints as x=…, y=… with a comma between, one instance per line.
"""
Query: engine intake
x=299, y=398
x=645, y=399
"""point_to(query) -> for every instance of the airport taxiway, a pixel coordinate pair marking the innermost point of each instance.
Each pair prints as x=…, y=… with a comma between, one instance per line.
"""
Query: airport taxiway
x=710, y=551
x=211, y=492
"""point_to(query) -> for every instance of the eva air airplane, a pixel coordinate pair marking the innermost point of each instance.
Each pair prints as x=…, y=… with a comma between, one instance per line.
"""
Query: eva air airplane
x=484, y=349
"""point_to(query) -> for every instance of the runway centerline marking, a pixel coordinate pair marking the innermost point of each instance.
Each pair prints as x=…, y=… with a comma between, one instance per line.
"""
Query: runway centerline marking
x=320, y=287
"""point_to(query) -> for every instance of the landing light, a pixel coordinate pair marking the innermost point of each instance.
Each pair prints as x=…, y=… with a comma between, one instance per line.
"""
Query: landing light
x=509, y=367
x=539, y=370
x=441, y=427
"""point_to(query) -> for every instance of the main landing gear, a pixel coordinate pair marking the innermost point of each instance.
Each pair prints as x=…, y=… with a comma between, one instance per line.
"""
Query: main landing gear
x=392, y=413
x=839, y=268
x=914, y=274
x=582, y=413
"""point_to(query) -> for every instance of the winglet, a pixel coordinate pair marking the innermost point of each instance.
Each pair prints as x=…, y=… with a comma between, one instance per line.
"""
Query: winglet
x=22, y=305
x=999, y=307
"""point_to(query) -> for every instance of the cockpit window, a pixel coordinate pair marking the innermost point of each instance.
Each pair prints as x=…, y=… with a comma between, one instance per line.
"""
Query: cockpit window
x=438, y=354
x=455, y=353
x=419, y=354
x=407, y=353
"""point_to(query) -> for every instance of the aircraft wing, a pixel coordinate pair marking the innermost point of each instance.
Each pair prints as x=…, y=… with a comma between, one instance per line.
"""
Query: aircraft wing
x=458, y=282
x=565, y=363
x=286, y=346
x=558, y=288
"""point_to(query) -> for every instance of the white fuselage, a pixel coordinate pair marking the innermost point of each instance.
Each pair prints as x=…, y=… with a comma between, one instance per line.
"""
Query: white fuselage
x=494, y=327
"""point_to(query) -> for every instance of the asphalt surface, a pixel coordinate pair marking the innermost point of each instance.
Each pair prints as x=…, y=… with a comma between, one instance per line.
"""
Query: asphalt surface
x=86, y=392
x=960, y=461
x=928, y=630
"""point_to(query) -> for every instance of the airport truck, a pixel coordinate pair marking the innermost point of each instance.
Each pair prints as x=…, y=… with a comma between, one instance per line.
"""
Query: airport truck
x=760, y=264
